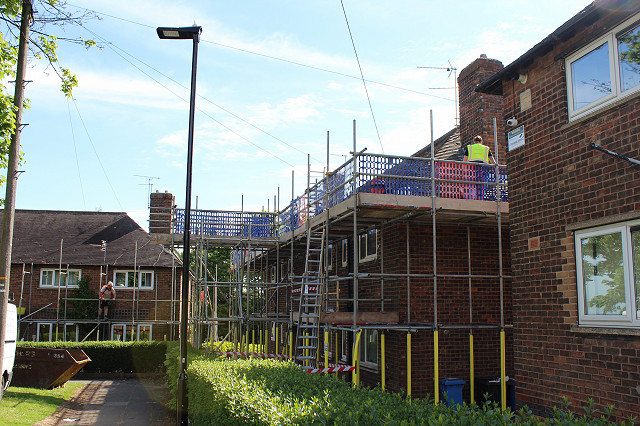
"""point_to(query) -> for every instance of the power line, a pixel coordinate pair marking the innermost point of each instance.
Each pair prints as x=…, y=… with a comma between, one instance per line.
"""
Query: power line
x=275, y=58
x=116, y=50
x=75, y=150
x=97, y=155
x=362, y=75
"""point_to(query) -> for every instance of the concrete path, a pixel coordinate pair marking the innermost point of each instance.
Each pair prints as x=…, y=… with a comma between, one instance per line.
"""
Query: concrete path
x=116, y=402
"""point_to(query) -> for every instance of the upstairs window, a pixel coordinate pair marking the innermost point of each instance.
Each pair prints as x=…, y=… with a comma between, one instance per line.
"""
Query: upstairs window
x=368, y=247
x=608, y=269
x=329, y=256
x=128, y=279
x=52, y=277
x=344, y=250
x=605, y=70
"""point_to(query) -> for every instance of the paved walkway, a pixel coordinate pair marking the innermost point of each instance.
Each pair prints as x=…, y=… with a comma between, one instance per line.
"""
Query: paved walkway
x=116, y=402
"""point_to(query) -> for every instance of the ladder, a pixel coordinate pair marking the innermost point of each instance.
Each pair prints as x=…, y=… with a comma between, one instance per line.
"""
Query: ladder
x=311, y=291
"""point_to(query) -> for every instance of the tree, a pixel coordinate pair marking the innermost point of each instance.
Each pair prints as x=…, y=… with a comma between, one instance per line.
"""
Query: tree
x=48, y=18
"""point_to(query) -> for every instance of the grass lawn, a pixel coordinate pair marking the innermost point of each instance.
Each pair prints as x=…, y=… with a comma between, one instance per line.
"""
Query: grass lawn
x=25, y=406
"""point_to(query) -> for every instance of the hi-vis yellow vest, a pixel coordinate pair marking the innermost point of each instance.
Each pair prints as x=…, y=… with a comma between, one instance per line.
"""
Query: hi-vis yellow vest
x=478, y=152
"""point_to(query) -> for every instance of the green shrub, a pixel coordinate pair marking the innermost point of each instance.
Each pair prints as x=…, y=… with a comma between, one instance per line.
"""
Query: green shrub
x=269, y=392
x=115, y=357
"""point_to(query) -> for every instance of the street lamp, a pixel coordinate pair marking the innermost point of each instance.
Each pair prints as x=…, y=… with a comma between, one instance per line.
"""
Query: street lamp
x=181, y=34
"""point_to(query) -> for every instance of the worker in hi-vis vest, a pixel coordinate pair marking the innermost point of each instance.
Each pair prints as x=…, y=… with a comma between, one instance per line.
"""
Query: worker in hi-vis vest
x=478, y=153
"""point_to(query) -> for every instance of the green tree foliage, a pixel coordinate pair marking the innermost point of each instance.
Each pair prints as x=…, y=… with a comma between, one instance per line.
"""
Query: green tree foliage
x=85, y=300
x=49, y=17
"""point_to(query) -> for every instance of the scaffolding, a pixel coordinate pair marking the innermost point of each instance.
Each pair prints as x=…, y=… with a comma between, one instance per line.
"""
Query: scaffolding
x=283, y=296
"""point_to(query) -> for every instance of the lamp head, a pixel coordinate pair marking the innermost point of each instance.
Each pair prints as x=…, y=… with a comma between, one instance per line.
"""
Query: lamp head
x=179, y=33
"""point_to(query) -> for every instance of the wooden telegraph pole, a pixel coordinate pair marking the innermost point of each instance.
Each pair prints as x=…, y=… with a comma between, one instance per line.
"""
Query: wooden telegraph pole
x=12, y=171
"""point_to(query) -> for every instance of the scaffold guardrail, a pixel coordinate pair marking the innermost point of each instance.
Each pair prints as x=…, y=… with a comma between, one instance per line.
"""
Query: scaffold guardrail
x=373, y=173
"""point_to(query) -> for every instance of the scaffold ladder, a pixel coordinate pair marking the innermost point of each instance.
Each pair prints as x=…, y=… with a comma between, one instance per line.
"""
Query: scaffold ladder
x=311, y=290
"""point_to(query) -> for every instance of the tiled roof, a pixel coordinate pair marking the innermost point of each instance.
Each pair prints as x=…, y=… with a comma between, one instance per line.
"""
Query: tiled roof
x=37, y=236
x=446, y=147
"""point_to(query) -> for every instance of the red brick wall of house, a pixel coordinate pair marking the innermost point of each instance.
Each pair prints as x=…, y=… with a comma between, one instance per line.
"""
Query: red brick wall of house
x=555, y=181
x=453, y=297
x=153, y=306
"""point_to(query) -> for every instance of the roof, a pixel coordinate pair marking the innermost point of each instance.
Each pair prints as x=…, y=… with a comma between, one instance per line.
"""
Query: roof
x=446, y=147
x=40, y=235
x=584, y=18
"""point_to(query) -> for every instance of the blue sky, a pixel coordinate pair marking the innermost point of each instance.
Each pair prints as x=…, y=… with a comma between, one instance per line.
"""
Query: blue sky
x=273, y=78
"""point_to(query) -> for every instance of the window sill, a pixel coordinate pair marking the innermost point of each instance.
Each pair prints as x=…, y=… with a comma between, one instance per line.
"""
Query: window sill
x=370, y=367
x=55, y=287
x=605, y=330
x=601, y=109
x=367, y=259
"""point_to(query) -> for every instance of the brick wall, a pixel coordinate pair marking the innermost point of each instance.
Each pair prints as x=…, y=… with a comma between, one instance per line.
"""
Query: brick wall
x=453, y=301
x=160, y=207
x=151, y=305
x=556, y=180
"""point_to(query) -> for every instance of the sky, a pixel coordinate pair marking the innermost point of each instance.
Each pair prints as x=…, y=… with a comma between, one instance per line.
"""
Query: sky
x=273, y=77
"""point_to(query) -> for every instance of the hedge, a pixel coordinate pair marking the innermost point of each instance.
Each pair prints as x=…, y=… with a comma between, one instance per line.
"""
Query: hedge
x=115, y=357
x=270, y=392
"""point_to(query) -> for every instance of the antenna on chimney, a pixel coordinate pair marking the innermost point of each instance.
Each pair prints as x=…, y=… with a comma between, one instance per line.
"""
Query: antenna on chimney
x=150, y=185
x=452, y=70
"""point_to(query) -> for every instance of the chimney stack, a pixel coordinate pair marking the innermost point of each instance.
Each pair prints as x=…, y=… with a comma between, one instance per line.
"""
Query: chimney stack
x=477, y=110
x=160, y=211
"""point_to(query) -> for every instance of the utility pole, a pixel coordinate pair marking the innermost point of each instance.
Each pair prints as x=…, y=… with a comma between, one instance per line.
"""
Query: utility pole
x=12, y=171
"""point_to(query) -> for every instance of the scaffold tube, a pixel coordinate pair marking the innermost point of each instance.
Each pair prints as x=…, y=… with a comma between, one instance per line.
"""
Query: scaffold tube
x=260, y=341
x=266, y=341
x=356, y=359
x=471, y=370
x=277, y=341
x=290, y=344
x=382, y=361
x=503, y=383
x=436, y=370
x=335, y=350
x=326, y=347
x=409, y=365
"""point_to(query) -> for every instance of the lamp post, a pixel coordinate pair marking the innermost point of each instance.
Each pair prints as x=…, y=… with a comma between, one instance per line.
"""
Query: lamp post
x=182, y=33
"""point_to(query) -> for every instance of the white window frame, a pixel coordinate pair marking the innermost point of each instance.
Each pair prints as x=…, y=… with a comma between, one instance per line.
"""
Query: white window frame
x=614, y=70
x=50, y=324
x=364, y=341
x=344, y=345
x=344, y=251
x=631, y=318
x=126, y=331
x=56, y=273
x=139, y=280
x=366, y=257
x=329, y=256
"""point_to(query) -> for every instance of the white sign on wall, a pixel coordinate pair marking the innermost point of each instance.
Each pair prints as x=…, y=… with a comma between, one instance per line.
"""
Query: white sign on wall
x=516, y=138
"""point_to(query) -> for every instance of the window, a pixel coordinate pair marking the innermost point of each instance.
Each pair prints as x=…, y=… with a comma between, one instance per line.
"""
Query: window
x=329, y=256
x=369, y=348
x=368, y=245
x=126, y=279
x=344, y=345
x=51, y=277
x=345, y=252
x=605, y=70
x=131, y=333
x=608, y=270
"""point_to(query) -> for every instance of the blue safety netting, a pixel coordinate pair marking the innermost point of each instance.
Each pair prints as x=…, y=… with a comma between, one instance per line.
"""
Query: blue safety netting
x=377, y=174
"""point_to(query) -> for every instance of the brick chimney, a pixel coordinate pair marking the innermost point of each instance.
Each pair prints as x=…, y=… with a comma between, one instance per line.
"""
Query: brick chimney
x=160, y=209
x=477, y=110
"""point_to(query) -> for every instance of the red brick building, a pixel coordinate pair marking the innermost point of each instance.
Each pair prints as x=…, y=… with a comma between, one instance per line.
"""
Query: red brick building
x=575, y=209
x=392, y=283
x=55, y=251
